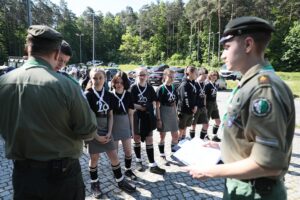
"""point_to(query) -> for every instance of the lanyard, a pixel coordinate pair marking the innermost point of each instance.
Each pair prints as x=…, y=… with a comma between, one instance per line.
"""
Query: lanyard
x=215, y=89
x=121, y=100
x=202, y=91
x=193, y=86
x=171, y=95
x=142, y=99
x=103, y=106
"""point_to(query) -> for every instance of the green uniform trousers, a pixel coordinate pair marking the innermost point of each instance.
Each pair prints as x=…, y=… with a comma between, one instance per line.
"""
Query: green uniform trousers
x=236, y=189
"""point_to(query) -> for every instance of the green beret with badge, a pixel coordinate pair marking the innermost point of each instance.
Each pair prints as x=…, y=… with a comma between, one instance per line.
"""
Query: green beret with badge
x=44, y=32
x=244, y=25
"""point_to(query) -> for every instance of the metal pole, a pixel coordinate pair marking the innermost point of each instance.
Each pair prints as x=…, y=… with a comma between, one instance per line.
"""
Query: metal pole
x=213, y=45
x=93, y=39
x=29, y=13
x=219, y=37
x=80, y=47
x=208, y=48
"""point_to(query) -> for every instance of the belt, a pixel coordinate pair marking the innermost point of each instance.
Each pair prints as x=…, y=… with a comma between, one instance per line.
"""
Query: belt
x=60, y=163
x=262, y=185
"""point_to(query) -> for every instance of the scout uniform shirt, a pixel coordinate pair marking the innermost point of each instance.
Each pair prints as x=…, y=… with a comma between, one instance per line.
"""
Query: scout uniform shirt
x=166, y=95
x=260, y=120
x=43, y=114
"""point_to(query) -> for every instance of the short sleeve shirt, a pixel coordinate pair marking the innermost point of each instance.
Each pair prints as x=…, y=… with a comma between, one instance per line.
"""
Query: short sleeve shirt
x=121, y=106
x=100, y=108
x=260, y=121
x=211, y=90
x=143, y=95
x=166, y=94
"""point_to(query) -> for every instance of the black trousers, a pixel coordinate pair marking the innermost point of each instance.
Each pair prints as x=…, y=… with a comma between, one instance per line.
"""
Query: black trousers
x=52, y=180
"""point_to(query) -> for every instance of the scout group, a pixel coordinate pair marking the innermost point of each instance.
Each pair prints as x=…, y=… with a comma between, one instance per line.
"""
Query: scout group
x=45, y=115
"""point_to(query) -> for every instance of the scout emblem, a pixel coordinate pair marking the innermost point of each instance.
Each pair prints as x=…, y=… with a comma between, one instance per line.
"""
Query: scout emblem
x=142, y=99
x=171, y=95
x=261, y=107
x=264, y=79
x=103, y=106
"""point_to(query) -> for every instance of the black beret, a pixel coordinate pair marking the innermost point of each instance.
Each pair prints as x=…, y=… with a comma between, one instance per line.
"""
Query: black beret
x=65, y=48
x=244, y=25
x=45, y=32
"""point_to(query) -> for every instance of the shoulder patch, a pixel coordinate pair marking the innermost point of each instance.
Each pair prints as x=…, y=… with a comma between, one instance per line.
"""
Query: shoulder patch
x=261, y=107
x=264, y=79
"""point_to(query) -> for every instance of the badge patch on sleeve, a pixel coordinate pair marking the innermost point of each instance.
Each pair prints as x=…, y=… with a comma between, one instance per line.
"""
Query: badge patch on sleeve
x=261, y=107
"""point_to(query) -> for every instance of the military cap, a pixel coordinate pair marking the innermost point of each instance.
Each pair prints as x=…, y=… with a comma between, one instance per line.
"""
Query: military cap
x=45, y=32
x=244, y=25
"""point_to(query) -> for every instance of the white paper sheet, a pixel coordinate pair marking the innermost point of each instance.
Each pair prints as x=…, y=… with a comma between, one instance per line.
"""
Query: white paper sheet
x=193, y=153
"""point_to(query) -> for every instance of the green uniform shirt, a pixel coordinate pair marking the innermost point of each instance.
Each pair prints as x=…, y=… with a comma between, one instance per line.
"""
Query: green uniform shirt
x=43, y=114
x=260, y=120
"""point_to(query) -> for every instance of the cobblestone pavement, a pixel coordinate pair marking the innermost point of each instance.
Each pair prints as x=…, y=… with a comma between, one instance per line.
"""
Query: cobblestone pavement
x=175, y=184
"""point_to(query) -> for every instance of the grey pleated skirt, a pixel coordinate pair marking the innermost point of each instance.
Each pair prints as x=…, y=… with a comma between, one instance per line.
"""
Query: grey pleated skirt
x=96, y=147
x=121, y=127
x=168, y=118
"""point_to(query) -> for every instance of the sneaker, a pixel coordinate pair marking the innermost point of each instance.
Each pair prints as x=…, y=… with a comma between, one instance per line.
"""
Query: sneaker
x=95, y=189
x=140, y=167
x=216, y=139
x=130, y=174
x=157, y=170
x=126, y=186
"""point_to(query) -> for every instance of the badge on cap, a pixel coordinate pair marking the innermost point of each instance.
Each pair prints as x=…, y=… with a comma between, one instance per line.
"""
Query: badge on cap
x=261, y=107
x=264, y=79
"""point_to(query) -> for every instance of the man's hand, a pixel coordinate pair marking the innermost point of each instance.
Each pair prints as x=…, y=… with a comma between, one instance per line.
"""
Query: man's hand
x=197, y=172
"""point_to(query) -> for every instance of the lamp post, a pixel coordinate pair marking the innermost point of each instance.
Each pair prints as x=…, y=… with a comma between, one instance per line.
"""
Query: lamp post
x=93, y=39
x=219, y=37
x=211, y=33
x=80, y=35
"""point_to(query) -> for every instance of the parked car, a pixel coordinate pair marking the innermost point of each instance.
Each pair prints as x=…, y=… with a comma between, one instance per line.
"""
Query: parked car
x=221, y=83
x=229, y=75
x=110, y=72
x=156, y=74
x=179, y=75
x=96, y=62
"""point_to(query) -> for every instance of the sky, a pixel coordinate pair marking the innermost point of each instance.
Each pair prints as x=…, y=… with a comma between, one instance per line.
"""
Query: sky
x=113, y=6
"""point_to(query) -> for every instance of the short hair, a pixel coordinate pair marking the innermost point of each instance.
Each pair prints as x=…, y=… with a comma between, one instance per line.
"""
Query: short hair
x=261, y=39
x=65, y=48
x=212, y=73
x=41, y=46
x=189, y=69
x=203, y=70
x=166, y=71
x=124, y=78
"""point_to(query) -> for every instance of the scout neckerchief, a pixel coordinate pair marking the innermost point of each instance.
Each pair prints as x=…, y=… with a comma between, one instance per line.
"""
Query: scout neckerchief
x=202, y=91
x=142, y=99
x=103, y=106
x=171, y=95
x=121, y=100
x=215, y=89
x=193, y=86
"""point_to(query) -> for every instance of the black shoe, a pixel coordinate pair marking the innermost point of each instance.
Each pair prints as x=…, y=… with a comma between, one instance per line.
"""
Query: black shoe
x=95, y=189
x=216, y=139
x=126, y=186
x=140, y=167
x=157, y=170
x=166, y=162
x=130, y=174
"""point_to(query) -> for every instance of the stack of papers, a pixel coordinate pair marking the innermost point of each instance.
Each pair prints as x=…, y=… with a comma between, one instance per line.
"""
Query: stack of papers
x=192, y=152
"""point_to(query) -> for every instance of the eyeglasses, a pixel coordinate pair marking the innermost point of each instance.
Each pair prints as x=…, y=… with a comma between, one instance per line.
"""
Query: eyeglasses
x=119, y=82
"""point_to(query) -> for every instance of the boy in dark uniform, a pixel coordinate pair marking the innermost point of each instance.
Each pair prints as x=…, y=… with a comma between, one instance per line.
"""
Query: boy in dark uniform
x=144, y=97
x=187, y=100
x=200, y=117
x=211, y=90
x=260, y=121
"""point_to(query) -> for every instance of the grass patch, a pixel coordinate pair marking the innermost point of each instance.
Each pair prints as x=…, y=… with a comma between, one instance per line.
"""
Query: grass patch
x=292, y=79
x=127, y=68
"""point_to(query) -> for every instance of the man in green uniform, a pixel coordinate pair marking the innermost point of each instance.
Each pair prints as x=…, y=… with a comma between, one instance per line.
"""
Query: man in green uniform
x=43, y=119
x=260, y=121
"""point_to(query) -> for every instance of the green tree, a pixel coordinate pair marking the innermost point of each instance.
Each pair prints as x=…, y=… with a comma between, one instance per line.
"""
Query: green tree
x=292, y=44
